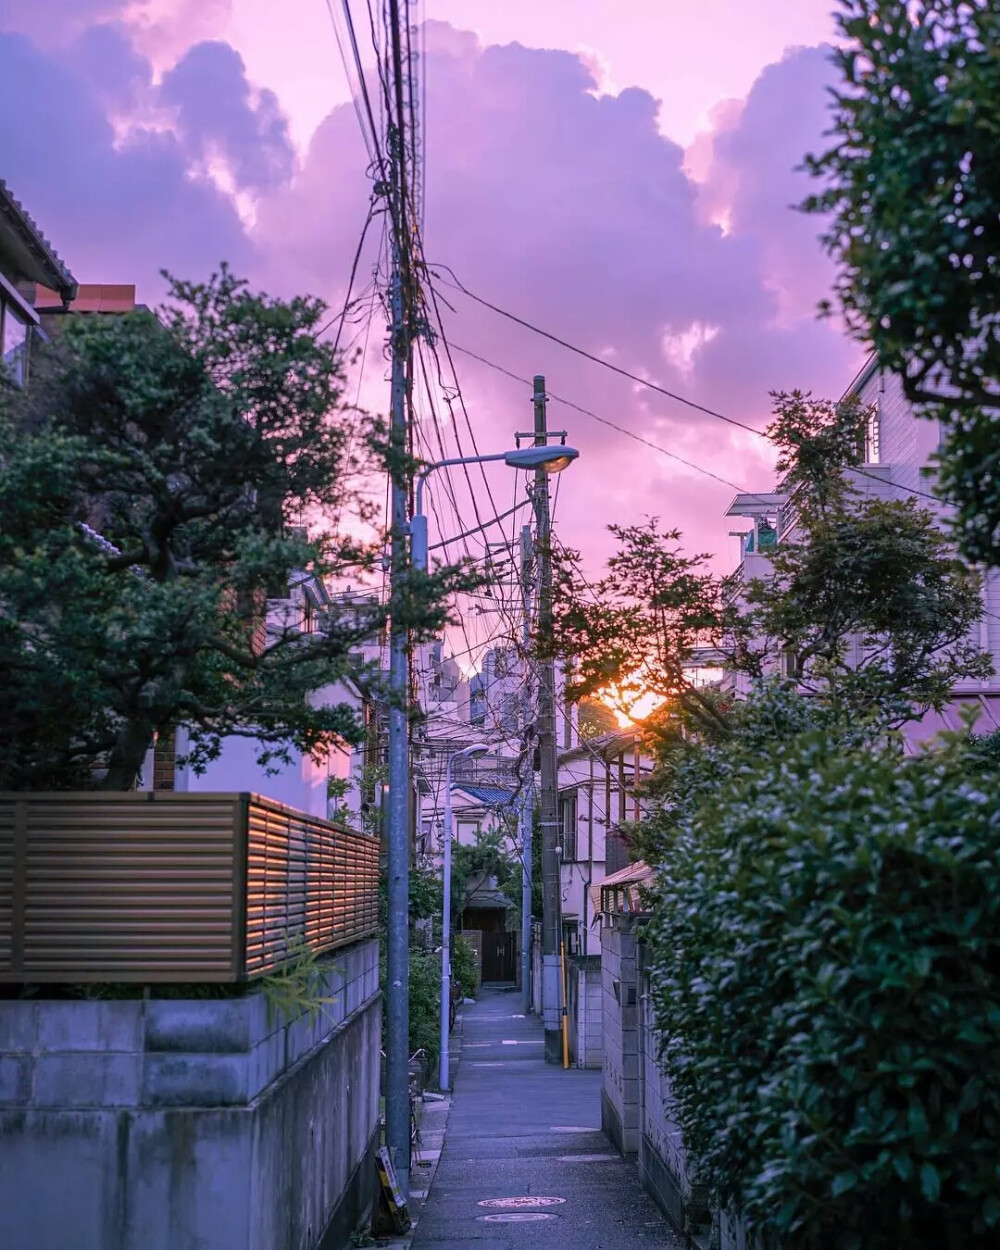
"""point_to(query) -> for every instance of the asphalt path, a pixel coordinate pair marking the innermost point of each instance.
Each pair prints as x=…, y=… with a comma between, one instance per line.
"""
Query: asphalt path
x=522, y=1134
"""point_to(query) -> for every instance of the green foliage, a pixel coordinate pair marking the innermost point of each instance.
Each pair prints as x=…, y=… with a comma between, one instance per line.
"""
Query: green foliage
x=464, y=971
x=424, y=1001
x=864, y=594
x=153, y=481
x=632, y=633
x=911, y=194
x=826, y=979
x=596, y=718
x=491, y=858
x=297, y=988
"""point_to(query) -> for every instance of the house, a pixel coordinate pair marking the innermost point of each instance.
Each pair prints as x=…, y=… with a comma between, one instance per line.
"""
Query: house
x=333, y=785
x=27, y=262
x=898, y=448
x=600, y=792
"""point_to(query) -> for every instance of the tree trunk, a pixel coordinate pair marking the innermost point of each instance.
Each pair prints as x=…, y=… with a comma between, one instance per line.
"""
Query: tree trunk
x=133, y=742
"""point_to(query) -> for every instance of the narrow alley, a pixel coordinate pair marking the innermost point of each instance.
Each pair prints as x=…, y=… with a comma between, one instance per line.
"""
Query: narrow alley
x=524, y=1159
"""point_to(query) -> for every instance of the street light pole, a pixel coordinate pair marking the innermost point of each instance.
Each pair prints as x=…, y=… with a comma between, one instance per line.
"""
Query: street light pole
x=527, y=782
x=477, y=748
x=540, y=458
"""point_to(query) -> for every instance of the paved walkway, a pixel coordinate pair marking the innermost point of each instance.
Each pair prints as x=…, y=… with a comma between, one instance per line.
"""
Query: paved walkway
x=519, y=1129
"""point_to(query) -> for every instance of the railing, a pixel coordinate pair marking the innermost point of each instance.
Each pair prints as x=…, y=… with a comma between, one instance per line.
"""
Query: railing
x=174, y=887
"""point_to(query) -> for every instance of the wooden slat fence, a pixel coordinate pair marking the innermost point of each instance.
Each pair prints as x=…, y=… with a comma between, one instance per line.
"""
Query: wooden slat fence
x=174, y=887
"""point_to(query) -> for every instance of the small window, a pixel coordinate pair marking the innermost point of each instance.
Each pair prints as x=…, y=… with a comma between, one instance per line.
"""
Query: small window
x=872, y=450
x=567, y=830
x=14, y=346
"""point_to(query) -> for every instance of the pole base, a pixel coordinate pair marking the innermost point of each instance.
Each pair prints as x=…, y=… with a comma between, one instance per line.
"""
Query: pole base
x=554, y=1046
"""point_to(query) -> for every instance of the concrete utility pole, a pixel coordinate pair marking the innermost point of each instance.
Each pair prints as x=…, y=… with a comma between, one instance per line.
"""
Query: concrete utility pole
x=525, y=813
x=548, y=781
x=397, y=1041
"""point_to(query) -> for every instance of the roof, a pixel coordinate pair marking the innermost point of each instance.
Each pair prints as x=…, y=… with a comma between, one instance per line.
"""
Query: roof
x=492, y=796
x=627, y=883
x=25, y=247
x=605, y=746
x=756, y=503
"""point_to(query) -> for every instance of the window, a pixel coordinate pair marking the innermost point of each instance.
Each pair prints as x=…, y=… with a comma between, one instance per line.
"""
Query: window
x=567, y=827
x=14, y=344
x=870, y=442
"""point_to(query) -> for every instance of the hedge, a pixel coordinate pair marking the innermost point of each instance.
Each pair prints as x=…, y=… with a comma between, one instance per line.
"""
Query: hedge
x=825, y=953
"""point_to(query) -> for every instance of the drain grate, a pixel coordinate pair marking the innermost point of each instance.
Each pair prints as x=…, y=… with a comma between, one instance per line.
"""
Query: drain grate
x=527, y=1202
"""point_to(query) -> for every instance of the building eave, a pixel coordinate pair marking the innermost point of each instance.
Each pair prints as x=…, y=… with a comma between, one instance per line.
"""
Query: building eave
x=30, y=250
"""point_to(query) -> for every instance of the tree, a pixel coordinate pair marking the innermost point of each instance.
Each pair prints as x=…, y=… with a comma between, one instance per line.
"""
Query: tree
x=159, y=480
x=864, y=598
x=595, y=718
x=634, y=632
x=912, y=189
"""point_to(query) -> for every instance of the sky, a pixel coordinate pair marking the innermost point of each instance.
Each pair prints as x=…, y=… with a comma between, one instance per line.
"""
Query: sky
x=621, y=176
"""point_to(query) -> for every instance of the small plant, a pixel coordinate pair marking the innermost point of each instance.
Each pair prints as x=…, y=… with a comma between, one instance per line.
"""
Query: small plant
x=464, y=972
x=297, y=989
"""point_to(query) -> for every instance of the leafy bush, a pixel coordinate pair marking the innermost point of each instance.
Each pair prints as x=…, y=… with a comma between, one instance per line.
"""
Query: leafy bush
x=464, y=972
x=425, y=1004
x=425, y=1001
x=826, y=976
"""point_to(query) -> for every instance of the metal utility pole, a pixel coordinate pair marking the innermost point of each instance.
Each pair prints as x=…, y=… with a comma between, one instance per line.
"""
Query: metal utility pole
x=525, y=813
x=397, y=1041
x=548, y=781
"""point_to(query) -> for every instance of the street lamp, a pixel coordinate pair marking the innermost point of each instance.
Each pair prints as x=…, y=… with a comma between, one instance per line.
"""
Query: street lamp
x=477, y=748
x=552, y=459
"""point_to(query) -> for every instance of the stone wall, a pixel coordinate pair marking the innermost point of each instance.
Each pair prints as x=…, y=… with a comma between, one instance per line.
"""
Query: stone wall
x=635, y=1095
x=587, y=1020
x=663, y=1162
x=620, y=1060
x=190, y=1124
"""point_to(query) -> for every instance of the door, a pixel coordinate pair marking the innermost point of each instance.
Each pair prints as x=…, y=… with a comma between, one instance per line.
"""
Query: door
x=499, y=956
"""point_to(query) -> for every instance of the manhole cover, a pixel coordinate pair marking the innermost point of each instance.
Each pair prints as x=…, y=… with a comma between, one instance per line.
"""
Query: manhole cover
x=525, y=1203
x=515, y=1217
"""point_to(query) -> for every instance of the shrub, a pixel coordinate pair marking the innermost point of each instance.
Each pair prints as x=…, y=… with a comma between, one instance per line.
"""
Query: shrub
x=464, y=971
x=826, y=976
x=425, y=999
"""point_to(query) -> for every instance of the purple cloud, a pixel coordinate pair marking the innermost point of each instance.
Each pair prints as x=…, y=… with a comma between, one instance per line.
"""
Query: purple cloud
x=117, y=212
x=566, y=206
x=217, y=114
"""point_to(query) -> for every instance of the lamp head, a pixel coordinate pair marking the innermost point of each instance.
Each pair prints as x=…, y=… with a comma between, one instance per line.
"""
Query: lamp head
x=552, y=459
x=477, y=748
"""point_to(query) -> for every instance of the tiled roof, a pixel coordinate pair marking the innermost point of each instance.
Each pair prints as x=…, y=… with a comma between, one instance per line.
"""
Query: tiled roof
x=41, y=260
x=492, y=796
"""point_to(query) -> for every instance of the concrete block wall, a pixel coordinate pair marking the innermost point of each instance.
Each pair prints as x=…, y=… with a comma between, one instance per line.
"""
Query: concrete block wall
x=663, y=1163
x=620, y=1058
x=590, y=1012
x=189, y=1124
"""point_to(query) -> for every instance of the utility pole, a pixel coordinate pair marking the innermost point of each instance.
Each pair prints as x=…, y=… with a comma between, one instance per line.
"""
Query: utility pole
x=548, y=781
x=527, y=786
x=397, y=1042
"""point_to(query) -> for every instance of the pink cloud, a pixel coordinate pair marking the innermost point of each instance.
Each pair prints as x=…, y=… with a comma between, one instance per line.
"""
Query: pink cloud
x=563, y=205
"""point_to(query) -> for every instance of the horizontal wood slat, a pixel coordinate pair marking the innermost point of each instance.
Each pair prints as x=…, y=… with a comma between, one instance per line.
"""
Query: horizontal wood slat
x=174, y=887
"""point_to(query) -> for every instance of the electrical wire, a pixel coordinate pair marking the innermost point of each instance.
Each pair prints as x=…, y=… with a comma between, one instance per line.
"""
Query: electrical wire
x=634, y=377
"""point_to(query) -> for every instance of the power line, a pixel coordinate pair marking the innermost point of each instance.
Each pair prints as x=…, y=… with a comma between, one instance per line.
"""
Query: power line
x=597, y=360
x=634, y=377
x=587, y=412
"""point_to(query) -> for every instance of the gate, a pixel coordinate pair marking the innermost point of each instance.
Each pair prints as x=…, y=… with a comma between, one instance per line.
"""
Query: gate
x=499, y=956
